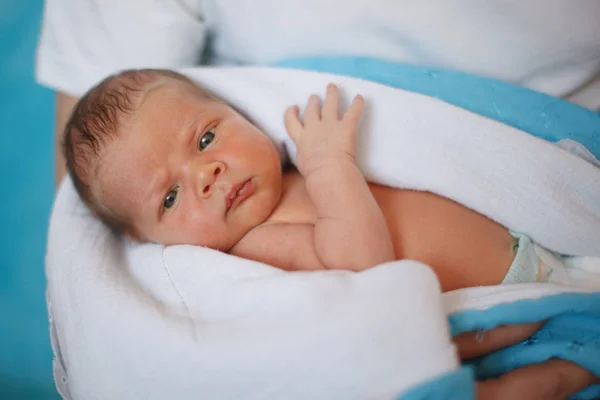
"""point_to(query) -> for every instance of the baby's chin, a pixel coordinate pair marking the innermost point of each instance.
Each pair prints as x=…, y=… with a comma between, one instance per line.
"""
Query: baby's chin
x=226, y=244
x=218, y=243
x=222, y=247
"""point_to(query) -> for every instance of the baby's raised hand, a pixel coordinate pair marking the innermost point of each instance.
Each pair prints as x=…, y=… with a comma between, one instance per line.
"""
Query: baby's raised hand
x=324, y=138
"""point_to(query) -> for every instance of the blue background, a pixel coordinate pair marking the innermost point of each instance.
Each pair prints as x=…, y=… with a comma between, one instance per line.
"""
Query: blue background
x=27, y=181
x=27, y=177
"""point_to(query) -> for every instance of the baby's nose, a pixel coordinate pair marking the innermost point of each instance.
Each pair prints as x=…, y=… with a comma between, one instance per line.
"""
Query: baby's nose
x=207, y=176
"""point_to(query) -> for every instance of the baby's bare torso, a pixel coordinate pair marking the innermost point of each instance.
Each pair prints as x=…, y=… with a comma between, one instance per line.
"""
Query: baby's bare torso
x=463, y=247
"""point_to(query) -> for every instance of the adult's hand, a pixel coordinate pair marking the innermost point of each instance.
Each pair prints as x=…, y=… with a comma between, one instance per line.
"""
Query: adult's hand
x=64, y=106
x=551, y=380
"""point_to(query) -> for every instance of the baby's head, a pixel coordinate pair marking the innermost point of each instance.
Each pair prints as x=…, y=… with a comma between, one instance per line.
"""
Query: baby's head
x=160, y=159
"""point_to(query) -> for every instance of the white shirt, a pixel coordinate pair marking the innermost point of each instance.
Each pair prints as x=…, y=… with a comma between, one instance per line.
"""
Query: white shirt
x=548, y=45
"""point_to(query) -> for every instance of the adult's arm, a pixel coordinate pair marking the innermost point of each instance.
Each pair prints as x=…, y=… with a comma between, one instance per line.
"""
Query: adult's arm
x=551, y=380
x=83, y=41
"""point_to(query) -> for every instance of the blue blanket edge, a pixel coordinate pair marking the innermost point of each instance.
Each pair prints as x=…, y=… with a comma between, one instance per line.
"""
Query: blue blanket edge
x=572, y=330
x=539, y=114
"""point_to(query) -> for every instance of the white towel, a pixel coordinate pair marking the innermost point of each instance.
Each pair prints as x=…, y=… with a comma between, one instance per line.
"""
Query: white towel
x=148, y=322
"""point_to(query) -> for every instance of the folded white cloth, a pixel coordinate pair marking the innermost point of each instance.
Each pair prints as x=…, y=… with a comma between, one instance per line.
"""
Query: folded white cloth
x=149, y=322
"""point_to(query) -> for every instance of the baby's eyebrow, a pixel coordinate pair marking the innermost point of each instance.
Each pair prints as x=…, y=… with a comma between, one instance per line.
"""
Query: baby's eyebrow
x=188, y=130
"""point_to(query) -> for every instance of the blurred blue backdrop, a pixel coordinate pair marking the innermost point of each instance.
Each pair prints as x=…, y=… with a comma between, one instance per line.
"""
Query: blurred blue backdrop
x=26, y=176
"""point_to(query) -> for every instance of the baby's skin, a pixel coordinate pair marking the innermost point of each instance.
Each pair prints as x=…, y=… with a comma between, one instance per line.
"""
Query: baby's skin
x=191, y=170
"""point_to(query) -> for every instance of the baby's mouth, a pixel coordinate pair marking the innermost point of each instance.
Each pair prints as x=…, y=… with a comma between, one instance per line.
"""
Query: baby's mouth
x=238, y=194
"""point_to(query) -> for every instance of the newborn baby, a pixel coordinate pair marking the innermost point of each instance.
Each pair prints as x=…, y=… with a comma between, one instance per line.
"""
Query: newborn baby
x=160, y=159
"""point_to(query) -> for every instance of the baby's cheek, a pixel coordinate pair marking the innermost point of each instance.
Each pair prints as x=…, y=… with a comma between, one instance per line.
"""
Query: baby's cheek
x=197, y=225
x=206, y=231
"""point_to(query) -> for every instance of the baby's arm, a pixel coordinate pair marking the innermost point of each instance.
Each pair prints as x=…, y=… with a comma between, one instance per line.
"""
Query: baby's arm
x=351, y=232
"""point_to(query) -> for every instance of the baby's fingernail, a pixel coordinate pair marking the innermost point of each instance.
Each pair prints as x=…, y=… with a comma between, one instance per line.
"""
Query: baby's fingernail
x=331, y=86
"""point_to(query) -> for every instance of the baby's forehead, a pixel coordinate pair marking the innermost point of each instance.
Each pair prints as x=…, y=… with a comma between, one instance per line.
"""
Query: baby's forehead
x=122, y=173
x=147, y=132
x=171, y=98
x=164, y=85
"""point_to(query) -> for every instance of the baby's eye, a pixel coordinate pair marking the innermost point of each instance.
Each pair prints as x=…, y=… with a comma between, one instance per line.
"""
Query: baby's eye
x=206, y=139
x=170, y=199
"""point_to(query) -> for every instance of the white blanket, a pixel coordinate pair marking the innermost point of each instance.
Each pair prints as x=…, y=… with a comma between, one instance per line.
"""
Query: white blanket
x=149, y=322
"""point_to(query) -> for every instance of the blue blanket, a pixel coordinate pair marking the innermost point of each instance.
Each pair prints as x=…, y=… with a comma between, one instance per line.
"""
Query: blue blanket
x=572, y=331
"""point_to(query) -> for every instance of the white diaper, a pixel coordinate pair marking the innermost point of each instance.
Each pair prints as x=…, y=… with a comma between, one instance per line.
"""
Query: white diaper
x=533, y=263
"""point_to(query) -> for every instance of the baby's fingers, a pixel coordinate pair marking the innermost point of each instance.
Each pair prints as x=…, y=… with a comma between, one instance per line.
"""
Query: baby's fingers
x=331, y=106
x=293, y=125
x=353, y=114
x=313, y=110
